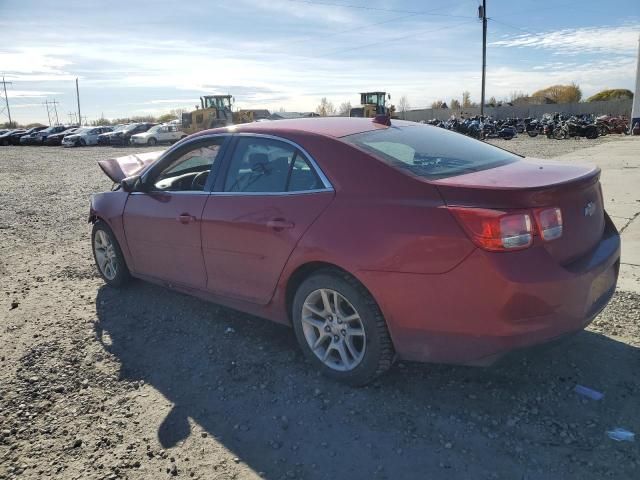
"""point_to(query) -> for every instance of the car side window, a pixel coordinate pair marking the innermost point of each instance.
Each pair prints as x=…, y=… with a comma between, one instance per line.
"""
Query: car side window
x=265, y=165
x=303, y=177
x=190, y=170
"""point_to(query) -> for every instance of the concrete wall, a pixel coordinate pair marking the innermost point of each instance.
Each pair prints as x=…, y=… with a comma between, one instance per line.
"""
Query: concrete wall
x=613, y=107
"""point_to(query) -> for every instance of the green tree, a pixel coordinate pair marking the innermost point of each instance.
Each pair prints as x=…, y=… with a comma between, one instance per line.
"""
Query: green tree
x=611, y=94
x=167, y=117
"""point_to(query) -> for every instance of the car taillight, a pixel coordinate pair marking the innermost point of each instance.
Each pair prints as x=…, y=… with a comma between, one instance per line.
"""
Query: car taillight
x=496, y=230
x=549, y=222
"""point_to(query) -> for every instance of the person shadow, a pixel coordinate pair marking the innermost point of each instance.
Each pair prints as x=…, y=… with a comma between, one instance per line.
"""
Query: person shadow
x=244, y=381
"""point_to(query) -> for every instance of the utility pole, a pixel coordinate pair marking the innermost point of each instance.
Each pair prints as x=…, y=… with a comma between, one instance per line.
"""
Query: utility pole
x=635, y=106
x=482, y=13
x=55, y=109
x=46, y=104
x=78, y=98
x=6, y=98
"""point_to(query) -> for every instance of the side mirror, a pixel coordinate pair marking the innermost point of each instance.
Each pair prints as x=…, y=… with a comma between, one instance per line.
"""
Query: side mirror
x=132, y=184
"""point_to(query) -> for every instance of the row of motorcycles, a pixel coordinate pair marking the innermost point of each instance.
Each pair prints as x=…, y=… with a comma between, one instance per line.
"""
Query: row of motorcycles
x=557, y=126
x=561, y=127
x=479, y=127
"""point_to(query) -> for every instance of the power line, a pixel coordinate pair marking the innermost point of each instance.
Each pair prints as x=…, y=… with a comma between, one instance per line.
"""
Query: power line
x=394, y=39
x=512, y=26
x=380, y=9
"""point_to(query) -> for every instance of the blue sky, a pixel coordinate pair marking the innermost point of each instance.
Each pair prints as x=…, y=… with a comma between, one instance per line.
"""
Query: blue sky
x=135, y=58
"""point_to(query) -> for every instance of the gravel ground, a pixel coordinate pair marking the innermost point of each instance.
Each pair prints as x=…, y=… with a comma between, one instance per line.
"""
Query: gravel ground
x=148, y=383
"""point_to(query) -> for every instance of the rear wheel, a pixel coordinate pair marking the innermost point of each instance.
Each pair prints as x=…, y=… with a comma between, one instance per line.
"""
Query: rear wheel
x=559, y=134
x=340, y=328
x=108, y=255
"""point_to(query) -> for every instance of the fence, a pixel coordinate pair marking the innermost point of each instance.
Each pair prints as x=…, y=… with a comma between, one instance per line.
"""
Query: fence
x=613, y=107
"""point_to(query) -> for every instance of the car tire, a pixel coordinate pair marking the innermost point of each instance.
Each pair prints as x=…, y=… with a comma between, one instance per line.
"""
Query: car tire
x=108, y=256
x=369, y=350
x=152, y=142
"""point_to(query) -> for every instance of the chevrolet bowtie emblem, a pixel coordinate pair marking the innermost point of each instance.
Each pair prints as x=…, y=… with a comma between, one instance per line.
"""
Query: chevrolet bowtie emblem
x=589, y=209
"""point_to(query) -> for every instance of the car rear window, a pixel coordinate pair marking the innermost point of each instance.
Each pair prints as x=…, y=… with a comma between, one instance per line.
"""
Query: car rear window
x=430, y=152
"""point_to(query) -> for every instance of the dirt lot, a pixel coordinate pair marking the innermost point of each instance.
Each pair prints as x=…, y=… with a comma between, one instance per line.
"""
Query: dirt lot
x=147, y=383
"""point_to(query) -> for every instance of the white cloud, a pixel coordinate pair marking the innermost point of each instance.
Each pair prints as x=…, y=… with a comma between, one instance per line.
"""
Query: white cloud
x=608, y=39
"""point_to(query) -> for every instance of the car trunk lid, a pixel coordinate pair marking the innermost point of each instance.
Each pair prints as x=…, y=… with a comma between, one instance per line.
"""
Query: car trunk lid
x=120, y=168
x=533, y=183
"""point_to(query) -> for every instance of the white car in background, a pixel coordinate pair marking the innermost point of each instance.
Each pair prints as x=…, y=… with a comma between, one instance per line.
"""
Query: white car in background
x=158, y=134
x=84, y=136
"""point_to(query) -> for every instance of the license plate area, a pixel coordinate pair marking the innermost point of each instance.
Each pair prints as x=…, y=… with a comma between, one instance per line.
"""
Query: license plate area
x=601, y=287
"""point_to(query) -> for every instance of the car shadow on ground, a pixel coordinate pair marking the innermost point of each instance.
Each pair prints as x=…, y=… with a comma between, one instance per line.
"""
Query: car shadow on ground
x=245, y=382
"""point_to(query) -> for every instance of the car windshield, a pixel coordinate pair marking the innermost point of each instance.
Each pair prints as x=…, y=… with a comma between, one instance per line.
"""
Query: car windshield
x=119, y=128
x=82, y=130
x=154, y=129
x=133, y=126
x=430, y=152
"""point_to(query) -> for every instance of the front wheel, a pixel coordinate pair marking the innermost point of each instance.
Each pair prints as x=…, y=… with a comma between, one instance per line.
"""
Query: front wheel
x=108, y=255
x=532, y=133
x=151, y=142
x=340, y=328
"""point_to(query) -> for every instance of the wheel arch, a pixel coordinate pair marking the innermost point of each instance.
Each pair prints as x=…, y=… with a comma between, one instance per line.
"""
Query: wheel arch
x=304, y=271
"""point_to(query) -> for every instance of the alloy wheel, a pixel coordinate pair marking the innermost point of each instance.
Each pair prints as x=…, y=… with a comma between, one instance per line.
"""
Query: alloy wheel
x=105, y=252
x=333, y=329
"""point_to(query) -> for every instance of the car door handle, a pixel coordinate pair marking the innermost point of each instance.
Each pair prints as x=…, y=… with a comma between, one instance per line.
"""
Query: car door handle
x=279, y=224
x=186, y=218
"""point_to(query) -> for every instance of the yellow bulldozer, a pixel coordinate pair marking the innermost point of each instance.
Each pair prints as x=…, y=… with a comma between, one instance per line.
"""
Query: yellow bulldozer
x=372, y=104
x=214, y=111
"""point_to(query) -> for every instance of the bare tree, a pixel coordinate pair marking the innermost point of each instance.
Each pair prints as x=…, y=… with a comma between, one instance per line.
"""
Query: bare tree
x=344, y=109
x=492, y=102
x=403, y=106
x=454, y=103
x=325, y=108
x=466, y=100
x=518, y=98
x=438, y=104
x=560, y=93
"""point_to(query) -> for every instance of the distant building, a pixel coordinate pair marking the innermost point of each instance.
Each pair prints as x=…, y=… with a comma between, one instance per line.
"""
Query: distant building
x=258, y=114
x=291, y=115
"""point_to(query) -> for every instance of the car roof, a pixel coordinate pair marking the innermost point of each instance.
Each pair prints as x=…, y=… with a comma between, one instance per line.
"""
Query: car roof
x=328, y=126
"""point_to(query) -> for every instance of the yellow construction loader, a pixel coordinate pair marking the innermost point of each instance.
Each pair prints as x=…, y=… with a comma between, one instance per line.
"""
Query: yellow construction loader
x=372, y=104
x=214, y=111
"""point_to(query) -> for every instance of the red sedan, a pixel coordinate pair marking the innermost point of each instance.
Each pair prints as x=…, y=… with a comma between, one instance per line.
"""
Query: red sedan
x=375, y=239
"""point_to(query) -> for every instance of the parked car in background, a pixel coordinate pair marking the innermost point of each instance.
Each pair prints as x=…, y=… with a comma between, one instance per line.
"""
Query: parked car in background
x=123, y=137
x=158, y=134
x=56, y=138
x=84, y=136
x=5, y=138
x=14, y=138
x=38, y=138
x=105, y=138
x=375, y=239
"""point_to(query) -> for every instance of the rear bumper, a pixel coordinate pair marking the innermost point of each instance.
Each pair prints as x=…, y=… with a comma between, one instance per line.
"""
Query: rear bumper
x=493, y=303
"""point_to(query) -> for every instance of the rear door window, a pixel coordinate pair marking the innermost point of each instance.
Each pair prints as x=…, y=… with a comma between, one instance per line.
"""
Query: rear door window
x=430, y=152
x=265, y=165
